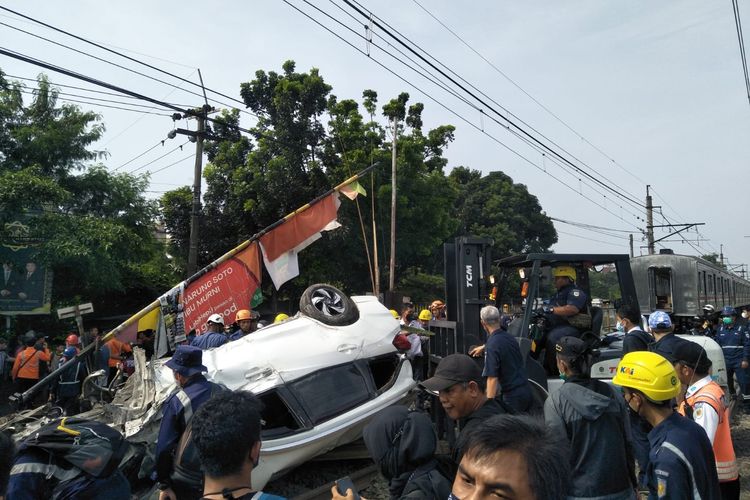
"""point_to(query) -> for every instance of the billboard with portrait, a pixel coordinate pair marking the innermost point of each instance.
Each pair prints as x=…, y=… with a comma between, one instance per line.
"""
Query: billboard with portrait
x=25, y=284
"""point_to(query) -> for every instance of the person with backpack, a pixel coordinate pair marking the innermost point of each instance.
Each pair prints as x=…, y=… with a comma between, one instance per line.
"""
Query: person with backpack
x=66, y=387
x=70, y=459
x=178, y=478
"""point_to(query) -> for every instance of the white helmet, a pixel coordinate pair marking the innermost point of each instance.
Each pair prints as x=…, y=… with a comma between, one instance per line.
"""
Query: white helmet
x=709, y=308
x=216, y=318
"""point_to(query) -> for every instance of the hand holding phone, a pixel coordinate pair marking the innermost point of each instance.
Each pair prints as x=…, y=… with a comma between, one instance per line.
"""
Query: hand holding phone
x=343, y=485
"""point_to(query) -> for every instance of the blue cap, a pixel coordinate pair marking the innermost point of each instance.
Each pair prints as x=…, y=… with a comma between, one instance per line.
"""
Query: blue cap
x=187, y=360
x=70, y=352
x=728, y=311
x=659, y=320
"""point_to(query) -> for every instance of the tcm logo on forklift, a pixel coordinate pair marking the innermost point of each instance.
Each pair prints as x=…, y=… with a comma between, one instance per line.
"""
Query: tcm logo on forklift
x=469, y=277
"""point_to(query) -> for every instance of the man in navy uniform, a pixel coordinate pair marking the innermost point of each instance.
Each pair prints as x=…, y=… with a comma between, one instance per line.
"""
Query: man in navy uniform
x=734, y=340
x=214, y=335
x=666, y=342
x=503, y=364
x=194, y=390
x=566, y=303
x=681, y=460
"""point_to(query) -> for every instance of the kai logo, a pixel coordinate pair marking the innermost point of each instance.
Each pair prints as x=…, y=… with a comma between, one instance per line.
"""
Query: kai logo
x=627, y=371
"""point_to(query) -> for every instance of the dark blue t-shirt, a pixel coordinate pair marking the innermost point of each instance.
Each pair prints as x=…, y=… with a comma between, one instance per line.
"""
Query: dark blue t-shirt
x=502, y=359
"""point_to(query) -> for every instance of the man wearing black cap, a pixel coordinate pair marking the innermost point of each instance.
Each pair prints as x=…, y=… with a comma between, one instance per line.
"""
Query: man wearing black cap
x=705, y=403
x=459, y=385
x=593, y=417
x=194, y=391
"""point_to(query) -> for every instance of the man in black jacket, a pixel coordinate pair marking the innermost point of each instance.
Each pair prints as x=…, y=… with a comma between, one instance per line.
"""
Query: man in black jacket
x=594, y=418
x=629, y=319
x=459, y=385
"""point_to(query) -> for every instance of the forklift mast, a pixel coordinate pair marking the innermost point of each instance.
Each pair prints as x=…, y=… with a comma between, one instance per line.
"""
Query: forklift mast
x=468, y=261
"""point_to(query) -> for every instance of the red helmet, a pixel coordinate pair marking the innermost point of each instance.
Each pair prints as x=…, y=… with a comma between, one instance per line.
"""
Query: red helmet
x=72, y=339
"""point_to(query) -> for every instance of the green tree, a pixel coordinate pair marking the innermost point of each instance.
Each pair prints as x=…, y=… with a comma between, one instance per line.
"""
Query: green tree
x=496, y=207
x=94, y=228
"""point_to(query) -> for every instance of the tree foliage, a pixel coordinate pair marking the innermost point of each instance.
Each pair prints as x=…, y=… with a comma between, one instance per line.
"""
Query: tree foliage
x=94, y=227
x=308, y=140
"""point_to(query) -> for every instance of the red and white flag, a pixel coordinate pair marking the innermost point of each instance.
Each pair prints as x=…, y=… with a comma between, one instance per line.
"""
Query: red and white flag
x=281, y=245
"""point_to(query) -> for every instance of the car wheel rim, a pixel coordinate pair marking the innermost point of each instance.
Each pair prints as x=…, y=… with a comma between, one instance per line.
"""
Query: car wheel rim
x=327, y=302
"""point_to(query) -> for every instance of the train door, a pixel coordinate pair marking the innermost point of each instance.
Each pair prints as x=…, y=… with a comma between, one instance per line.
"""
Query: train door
x=660, y=288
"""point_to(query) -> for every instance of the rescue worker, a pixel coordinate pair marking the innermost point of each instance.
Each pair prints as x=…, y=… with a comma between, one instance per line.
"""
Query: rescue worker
x=394, y=313
x=424, y=319
x=194, y=390
x=706, y=404
x=72, y=340
x=460, y=388
x=566, y=303
x=26, y=366
x=214, y=335
x=629, y=321
x=118, y=351
x=594, y=418
x=66, y=387
x=681, y=461
x=503, y=364
x=735, y=344
x=280, y=317
x=665, y=340
x=247, y=323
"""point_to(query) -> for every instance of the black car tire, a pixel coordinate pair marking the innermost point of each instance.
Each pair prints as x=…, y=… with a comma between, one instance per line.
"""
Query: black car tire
x=329, y=305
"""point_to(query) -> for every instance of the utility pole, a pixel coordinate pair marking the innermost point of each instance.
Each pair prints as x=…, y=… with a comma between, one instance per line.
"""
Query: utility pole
x=721, y=254
x=649, y=221
x=192, y=266
x=376, y=263
x=631, y=246
x=392, y=267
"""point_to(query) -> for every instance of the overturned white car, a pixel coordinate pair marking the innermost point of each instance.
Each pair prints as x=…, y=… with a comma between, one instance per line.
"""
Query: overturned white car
x=320, y=375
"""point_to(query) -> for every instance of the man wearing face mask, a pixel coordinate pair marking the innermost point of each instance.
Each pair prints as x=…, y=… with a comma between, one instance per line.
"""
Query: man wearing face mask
x=705, y=404
x=735, y=344
x=681, y=460
x=594, y=418
x=628, y=318
x=628, y=321
x=194, y=390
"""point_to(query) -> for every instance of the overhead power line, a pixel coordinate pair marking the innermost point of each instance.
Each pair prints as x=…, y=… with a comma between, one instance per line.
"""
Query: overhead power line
x=159, y=158
x=160, y=143
x=740, y=38
x=534, y=99
x=132, y=59
x=369, y=17
x=446, y=107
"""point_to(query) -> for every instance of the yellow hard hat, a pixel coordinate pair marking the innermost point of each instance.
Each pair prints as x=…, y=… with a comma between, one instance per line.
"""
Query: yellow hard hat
x=564, y=271
x=280, y=317
x=243, y=314
x=649, y=373
x=394, y=313
x=425, y=315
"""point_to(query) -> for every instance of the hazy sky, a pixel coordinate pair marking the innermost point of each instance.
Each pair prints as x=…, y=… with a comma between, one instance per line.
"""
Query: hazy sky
x=656, y=86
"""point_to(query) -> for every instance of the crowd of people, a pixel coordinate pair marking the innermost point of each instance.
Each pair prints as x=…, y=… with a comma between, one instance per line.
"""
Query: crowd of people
x=662, y=427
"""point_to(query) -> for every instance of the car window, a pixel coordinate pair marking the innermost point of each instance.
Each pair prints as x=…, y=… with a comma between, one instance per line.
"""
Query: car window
x=331, y=391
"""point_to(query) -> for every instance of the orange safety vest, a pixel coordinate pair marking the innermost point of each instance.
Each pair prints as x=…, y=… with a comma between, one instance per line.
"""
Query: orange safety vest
x=26, y=364
x=726, y=460
x=116, y=347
